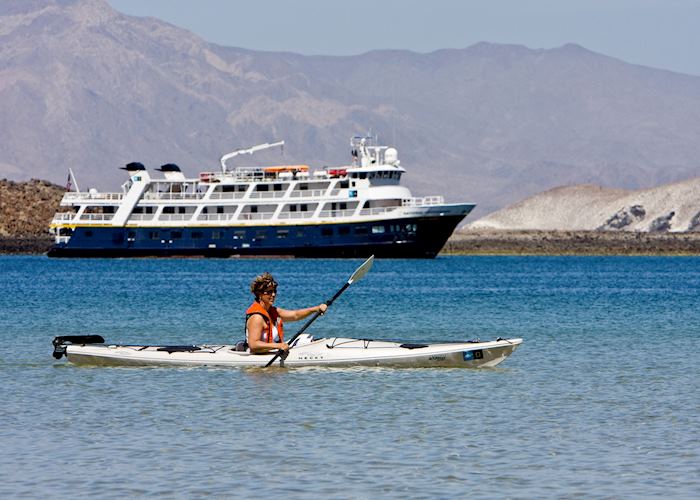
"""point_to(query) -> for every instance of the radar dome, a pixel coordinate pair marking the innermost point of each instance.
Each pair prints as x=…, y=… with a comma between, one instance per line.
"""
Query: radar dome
x=390, y=156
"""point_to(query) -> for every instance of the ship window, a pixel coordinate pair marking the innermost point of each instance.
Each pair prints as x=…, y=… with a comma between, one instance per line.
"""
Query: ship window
x=88, y=234
x=197, y=235
x=326, y=231
x=153, y=235
x=292, y=208
x=343, y=230
x=217, y=235
x=282, y=233
x=277, y=187
x=360, y=230
x=378, y=229
x=181, y=210
x=168, y=210
x=219, y=210
x=371, y=175
x=175, y=235
x=304, y=208
x=254, y=209
x=262, y=187
x=131, y=235
x=65, y=231
x=238, y=235
x=363, y=175
x=231, y=189
x=300, y=233
x=303, y=187
x=260, y=234
x=344, y=184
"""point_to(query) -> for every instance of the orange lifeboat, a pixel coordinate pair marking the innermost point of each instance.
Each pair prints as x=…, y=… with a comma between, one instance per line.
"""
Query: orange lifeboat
x=286, y=168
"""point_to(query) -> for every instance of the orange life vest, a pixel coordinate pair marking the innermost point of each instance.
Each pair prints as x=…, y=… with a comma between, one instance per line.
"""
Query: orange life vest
x=271, y=318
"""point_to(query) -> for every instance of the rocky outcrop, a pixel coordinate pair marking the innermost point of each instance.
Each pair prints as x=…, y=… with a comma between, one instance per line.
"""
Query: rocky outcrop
x=624, y=218
x=26, y=209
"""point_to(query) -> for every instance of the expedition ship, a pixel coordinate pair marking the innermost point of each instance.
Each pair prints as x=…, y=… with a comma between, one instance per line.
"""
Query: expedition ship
x=351, y=211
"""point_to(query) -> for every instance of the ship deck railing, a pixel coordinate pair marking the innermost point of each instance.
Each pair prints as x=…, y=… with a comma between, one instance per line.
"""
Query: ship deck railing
x=135, y=217
x=176, y=217
x=173, y=196
x=97, y=217
x=73, y=196
x=267, y=194
x=308, y=193
x=255, y=216
x=295, y=215
x=216, y=217
x=227, y=196
x=422, y=202
x=336, y=213
x=377, y=210
x=63, y=217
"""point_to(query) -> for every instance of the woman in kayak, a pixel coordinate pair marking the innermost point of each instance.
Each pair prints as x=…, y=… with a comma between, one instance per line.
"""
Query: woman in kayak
x=264, y=322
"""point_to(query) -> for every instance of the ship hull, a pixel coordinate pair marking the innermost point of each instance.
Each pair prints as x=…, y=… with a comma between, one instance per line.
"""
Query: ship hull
x=419, y=237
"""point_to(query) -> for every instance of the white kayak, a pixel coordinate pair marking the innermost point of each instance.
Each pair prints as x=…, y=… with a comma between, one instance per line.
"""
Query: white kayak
x=306, y=351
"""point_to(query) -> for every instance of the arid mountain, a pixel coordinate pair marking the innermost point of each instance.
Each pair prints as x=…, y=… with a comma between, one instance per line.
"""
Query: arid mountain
x=86, y=87
x=669, y=208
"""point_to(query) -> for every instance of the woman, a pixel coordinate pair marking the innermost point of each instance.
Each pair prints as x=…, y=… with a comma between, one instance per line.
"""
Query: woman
x=264, y=322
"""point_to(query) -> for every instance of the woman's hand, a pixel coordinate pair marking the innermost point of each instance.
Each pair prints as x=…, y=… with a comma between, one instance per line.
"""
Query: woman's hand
x=322, y=308
x=283, y=346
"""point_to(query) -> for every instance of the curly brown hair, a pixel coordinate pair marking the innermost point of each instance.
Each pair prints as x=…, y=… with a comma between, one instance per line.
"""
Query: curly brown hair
x=262, y=284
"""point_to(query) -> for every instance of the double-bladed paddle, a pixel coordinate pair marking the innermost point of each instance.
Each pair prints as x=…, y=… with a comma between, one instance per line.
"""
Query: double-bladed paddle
x=356, y=276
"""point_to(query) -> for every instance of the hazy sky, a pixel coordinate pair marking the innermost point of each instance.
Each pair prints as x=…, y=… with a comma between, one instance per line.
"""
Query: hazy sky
x=659, y=33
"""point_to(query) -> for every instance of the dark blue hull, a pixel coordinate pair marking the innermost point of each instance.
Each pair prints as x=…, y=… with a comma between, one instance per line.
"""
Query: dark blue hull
x=405, y=238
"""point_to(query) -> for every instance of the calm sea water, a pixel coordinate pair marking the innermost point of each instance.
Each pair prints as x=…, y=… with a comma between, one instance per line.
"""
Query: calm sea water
x=602, y=399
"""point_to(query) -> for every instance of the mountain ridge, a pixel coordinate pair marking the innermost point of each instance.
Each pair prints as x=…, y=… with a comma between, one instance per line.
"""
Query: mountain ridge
x=90, y=88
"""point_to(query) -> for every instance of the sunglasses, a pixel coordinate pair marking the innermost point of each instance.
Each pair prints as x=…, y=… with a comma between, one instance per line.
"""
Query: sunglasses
x=270, y=291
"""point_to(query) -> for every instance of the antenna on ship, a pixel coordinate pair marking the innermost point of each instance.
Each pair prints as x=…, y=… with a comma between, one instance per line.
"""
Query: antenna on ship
x=71, y=175
x=248, y=151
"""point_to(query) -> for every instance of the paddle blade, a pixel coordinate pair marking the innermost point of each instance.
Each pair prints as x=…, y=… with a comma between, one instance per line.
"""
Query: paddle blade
x=361, y=271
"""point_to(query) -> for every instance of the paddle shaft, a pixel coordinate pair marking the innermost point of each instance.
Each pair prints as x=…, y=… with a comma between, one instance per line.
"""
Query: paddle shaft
x=357, y=275
x=313, y=318
x=308, y=323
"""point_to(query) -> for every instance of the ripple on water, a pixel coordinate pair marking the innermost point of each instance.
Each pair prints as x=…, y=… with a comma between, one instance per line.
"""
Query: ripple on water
x=601, y=400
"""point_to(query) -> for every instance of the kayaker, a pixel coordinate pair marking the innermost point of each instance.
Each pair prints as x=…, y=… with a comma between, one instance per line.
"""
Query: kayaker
x=264, y=321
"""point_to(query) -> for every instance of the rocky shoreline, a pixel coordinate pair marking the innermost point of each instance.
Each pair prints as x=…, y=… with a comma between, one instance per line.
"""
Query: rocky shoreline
x=27, y=246
x=500, y=242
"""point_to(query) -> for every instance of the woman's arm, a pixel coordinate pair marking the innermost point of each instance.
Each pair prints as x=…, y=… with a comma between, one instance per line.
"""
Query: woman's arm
x=256, y=326
x=297, y=314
